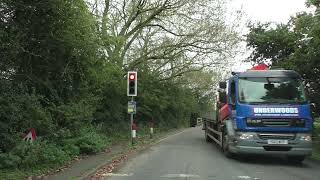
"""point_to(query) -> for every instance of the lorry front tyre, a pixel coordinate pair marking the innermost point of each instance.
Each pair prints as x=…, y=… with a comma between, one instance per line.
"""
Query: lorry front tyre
x=296, y=159
x=225, y=146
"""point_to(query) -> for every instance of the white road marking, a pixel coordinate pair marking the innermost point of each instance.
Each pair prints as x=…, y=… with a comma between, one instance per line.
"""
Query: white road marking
x=243, y=177
x=119, y=175
x=180, y=175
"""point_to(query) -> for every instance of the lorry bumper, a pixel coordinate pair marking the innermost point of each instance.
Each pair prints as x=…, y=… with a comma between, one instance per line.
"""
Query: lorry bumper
x=295, y=147
x=261, y=150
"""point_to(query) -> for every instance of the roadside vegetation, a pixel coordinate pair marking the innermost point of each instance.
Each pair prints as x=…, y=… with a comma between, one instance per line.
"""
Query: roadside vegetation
x=63, y=67
x=316, y=140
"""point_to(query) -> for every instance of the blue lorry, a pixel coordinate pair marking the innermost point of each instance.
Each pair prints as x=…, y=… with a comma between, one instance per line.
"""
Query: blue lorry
x=261, y=112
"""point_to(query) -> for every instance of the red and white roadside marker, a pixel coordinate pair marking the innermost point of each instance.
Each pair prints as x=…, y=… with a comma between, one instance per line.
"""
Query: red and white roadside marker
x=133, y=132
x=30, y=136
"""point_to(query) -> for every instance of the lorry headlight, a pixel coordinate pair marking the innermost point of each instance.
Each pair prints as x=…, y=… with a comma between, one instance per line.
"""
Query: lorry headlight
x=245, y=136
x=305, y=137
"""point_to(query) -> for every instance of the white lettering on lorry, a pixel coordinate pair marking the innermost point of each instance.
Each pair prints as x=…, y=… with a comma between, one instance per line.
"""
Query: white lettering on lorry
x=290, y=111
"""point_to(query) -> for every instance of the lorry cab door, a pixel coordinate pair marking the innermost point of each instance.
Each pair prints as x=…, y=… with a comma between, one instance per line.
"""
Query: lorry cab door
x=232, y=98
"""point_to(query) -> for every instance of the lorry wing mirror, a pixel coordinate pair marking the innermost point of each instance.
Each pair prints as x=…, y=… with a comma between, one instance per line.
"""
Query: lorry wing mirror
x=222, y=85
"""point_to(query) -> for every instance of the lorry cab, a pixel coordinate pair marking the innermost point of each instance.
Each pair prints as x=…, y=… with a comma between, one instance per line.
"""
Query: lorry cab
x=267, y=101
x=265, y=112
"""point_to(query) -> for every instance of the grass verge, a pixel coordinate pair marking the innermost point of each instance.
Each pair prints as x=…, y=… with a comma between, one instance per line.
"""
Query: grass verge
x=316, y=140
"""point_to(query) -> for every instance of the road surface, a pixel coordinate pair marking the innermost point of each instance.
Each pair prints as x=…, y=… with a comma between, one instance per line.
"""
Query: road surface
x=187, y=156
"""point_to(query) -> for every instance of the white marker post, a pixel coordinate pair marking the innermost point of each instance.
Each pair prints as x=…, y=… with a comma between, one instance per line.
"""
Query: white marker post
x=151, y=130
x=133, y=133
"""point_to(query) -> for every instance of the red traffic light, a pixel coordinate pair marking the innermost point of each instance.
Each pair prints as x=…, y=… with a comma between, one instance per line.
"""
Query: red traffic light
x=132, y=83
x=132, y=76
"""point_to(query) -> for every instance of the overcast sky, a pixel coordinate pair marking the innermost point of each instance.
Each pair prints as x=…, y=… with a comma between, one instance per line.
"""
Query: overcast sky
x=278, y=11
x=270, y=10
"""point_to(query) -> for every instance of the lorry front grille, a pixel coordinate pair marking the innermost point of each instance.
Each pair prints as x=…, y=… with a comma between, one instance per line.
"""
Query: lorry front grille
x=275, y=123
x=266, y=136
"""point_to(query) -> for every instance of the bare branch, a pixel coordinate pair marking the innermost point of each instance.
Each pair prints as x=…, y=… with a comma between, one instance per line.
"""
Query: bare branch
x=149, y=19
x=165, y=29
x=127, y=46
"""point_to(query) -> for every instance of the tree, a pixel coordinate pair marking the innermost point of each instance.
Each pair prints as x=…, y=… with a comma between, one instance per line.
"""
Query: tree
x=168, y=37
x=269, y=43
x=48, y=51
x=48, y=44
x=315, y=3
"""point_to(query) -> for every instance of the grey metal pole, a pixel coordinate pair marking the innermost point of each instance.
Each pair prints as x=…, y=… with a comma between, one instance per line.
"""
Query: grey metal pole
x=131, y=123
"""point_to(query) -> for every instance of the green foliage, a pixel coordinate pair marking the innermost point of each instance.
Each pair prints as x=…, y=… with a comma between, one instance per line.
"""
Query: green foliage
x=316, y=140
x=20, y=111
x=313, y=2
x=76, y=114
x=53, y=44
x=12, y=174
x=86, y=141
x=166, y=103
x=40, y=154
x=270, y=43
x=111, y=89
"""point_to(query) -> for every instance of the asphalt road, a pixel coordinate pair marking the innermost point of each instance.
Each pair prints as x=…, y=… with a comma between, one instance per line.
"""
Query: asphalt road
x=187, y=156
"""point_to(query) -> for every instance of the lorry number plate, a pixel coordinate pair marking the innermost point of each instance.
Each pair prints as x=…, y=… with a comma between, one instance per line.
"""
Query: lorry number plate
x=277, y=141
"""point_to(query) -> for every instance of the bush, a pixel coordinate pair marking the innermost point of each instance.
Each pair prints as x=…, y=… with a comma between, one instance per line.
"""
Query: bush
x=19, y=111
x=42, y=154
x=86, y=141
x=9, y=160
x=39, y=154
x=71, y=149
x=316, y=128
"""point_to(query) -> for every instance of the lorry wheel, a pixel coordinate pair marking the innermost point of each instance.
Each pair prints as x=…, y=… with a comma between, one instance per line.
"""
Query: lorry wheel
x=225, y=146
x=296, y=159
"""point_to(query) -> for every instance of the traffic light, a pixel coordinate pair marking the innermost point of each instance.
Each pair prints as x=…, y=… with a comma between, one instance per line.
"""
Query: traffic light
x=132, y=83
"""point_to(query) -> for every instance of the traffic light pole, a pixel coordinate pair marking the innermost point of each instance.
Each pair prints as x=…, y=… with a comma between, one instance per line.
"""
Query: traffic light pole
x=132, y=91
x=131, y=123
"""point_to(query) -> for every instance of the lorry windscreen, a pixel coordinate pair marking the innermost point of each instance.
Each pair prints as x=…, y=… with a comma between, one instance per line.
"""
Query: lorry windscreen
x=271, y=90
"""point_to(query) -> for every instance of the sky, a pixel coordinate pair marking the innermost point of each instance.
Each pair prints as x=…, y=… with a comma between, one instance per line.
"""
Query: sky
x=270, y=10
x=277, y=11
